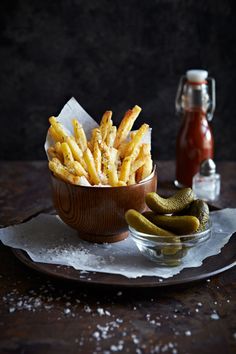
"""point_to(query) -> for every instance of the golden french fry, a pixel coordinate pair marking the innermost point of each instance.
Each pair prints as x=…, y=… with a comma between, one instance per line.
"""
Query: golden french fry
x=79, y=134
x=126, y=125
x=122, y=149
x=106, y=124
x=51, y=152
x=95, y=137
x=97, y=155
x=112, y=175
x=135, y=153
x=136, y=139
x=132, y=135
x=52, y=132
x=76, y=168
x=145, y=170
x=67, y=154
x=137, y=164
x=105, y=160
x=57, y=147
x=88, y=157
x=114, y=156
x=61, y=171
x=58, y=128
x=76, y=151
x=145, y=149
x=110, y=139
x=121, y=184
x=131, y=179
x=125, y=169
x=139, y=159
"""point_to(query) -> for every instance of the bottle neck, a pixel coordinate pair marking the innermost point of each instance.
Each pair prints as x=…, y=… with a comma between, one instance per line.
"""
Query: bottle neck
x=195, y=97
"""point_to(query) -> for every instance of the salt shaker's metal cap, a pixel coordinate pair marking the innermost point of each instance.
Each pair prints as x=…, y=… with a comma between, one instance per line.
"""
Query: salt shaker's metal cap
x=207, y=167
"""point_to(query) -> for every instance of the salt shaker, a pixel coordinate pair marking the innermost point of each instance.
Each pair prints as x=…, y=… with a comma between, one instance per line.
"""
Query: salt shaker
x=206, y=183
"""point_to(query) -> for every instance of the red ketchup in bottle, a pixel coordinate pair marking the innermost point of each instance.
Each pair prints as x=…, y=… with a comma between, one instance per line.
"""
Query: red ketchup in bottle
x=195, y=141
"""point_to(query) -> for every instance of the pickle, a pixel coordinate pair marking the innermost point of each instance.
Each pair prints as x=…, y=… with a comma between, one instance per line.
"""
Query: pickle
x=179, y=201
x=178, y=224
x=142, y=224
x=199, y=209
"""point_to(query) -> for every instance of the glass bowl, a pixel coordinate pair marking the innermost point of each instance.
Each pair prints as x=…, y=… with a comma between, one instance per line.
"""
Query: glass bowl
x=169, y=250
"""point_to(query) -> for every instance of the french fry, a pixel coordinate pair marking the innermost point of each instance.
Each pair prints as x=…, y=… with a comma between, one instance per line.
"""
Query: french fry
x=137, y=164
x=122, y=149
x=147, y=167
x=135, y=153
x=96, y=136
x=140, y=159
x=110, y=139
x=145, y=149
x=131, y=179
x=58, y=128
x=136, y=139
x=126, y=125
x=52, y=132
x=79, y=134
x=67, y=154
x=57, y=147
x=88, y=157
x=132, y=135
x=112, y=175
x=145, y=170
x=106, y=159
x=106, y=124
x=76, y=151
x=114, y=156
x=61, y=171
x=121, y=184
x=76, y=168
x=97, y=155
x=125, y=169
x=51, y=152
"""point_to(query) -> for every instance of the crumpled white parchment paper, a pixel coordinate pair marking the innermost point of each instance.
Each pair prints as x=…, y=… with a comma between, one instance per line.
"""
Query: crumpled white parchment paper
x=47, y=239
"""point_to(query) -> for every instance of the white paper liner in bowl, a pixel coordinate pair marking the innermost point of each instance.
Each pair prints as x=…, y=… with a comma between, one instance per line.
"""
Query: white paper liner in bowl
x=47, y=239
x=73, y=110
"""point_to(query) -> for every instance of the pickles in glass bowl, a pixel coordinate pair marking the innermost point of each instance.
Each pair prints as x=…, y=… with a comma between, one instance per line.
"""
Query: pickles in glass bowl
x=168, y=250
x=166, y=239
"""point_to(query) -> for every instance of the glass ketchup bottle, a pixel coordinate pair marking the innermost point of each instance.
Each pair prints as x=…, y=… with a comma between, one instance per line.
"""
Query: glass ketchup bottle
x=195, y=103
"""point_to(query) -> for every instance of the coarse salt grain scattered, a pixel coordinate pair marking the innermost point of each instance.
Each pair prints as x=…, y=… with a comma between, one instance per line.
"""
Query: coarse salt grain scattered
x=188, y=333
x=67, y=311
x=96, y=335
x=215, y=316
x=87, y=309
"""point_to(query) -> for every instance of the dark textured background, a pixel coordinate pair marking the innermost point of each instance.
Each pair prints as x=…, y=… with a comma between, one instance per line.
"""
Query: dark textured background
x=112, y=55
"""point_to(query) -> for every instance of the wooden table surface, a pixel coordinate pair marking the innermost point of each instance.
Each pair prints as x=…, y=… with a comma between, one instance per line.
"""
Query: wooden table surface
x=39, y=314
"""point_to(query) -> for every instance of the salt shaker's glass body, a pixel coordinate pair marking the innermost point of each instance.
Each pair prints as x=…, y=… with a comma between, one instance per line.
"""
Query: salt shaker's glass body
x=206, y=183
x=195, y=103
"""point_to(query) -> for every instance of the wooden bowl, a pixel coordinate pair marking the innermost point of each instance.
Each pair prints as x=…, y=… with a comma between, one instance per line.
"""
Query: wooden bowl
x=98, y=213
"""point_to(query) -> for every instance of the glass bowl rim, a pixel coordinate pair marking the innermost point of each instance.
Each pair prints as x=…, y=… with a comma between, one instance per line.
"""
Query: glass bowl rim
x=141, y=236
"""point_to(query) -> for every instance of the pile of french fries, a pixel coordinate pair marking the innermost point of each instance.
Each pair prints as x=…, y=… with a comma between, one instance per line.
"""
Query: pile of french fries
x=115, y=157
